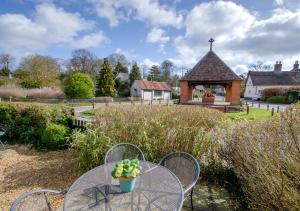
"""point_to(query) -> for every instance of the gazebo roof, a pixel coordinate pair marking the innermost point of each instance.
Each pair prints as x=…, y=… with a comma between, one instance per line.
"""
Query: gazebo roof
x=210, y=69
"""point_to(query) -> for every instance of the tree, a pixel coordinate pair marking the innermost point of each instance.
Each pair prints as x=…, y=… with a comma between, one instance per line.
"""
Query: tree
x=106, y=82
x=6, y=63
x=116, y=58
x=120, y=69
x=37, y=71
x=155, y=74
x=135, y=73
x=79, y=86
x=259, y=66
x=166, y=68
x=84, y=61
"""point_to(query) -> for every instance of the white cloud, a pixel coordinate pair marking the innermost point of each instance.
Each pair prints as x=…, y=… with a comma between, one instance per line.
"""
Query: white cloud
x=49, y=26
x=240, y=36
x=279, y=2
x=90, y=40
x=149, y=11
x=157, y=35
x=148, y=62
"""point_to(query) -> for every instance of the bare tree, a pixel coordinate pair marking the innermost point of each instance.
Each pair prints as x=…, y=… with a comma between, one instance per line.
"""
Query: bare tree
x=116, y=58
x=259, y=66
x=84, y=61
x=6, y=64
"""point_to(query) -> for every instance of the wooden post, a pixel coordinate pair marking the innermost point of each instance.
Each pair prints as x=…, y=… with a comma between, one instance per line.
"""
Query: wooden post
x=93, y=103
x=225, y=109
x=247, y=109
x=151, y=102
x=268, y=107
x=277, y=109
x=258, y=105
x=272, y=112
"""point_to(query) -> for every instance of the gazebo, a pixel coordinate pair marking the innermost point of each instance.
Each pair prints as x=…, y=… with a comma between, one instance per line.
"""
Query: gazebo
x=211, y=70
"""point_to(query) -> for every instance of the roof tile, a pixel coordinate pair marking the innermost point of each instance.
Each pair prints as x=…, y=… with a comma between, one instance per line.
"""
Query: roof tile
x=153, y=85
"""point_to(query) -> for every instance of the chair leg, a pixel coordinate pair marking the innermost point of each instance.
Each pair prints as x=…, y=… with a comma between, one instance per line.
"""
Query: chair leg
x=192, y=206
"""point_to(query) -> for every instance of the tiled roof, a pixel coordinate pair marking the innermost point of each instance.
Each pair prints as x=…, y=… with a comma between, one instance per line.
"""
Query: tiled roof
x=211, y=68
x=271, y=78
x=153, y=85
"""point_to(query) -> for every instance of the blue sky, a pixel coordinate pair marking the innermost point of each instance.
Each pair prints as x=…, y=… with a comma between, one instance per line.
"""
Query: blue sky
x=150, y=31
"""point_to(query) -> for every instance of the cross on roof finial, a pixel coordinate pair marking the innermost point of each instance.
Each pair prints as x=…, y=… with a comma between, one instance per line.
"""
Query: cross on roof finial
x=211, y=42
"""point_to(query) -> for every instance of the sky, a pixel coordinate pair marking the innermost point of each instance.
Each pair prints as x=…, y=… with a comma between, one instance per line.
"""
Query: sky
x=151, y=31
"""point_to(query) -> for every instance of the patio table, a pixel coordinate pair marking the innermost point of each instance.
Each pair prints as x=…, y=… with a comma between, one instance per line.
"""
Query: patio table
x=157, y=188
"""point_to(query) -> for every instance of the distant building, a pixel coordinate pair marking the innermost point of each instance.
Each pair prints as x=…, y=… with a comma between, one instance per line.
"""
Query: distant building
x=258, y=80
x=150, y=90
x=123, y=76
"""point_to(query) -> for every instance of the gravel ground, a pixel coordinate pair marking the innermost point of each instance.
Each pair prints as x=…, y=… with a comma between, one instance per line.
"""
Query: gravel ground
x=23, y=170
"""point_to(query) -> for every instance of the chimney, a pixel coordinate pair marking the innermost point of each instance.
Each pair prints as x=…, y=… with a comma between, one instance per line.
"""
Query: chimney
x=296, y=66
x=278, y=67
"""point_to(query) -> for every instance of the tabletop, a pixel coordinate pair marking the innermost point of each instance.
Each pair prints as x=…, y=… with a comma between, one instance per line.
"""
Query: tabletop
x=157, y=188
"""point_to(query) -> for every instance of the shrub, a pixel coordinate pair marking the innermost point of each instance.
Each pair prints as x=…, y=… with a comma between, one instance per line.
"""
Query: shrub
x=54, y=136
x=265, y=155
x=175, y=95
x=26, y=123
x=277, y=99
x=79, y=85
x=270, y=92
x=2, y=82
x=157, y=130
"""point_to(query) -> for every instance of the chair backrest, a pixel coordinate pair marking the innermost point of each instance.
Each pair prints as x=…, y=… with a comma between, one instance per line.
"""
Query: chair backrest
x=184, y=166
x=35, y=200
x=2, y=131
x=123, y=151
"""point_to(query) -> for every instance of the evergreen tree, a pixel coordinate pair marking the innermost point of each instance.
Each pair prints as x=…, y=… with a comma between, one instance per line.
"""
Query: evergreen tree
x=106, y=82
x=155, y=74
x=4, y=71
x=120, y=69
x=135, y=73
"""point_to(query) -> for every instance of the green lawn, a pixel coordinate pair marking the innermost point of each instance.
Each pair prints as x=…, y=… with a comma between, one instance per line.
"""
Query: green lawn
x=89, y=113
x=254, y=113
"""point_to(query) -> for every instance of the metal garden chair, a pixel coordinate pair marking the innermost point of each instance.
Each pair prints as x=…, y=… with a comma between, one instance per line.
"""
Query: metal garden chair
x=35, y=200
x=123, y=151
x=186, y=168
x=2, y=132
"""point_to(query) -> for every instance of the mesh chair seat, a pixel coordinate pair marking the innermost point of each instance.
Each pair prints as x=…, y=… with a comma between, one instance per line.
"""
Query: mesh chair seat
x=37, y=200
x=123, y=151
x=186, y=168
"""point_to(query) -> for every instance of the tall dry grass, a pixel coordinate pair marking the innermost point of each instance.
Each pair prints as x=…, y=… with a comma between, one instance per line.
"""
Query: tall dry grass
x=7, y=91
x=157, y=130
x=265, y=155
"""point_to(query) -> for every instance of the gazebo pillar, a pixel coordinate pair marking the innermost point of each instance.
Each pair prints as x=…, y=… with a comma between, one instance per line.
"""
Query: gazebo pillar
x=186, y=92
x=233, y=92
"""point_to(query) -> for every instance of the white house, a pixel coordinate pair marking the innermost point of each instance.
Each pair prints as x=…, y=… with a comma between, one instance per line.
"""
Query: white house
x=258, y=80
x=150, y=90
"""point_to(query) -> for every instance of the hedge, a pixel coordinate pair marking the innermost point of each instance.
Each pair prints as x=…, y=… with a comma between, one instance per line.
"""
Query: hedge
x=277, y=99
x=270, y=92
x=29, y=123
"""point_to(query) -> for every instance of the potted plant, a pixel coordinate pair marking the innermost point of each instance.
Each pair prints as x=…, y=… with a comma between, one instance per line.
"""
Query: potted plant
x=126, y=171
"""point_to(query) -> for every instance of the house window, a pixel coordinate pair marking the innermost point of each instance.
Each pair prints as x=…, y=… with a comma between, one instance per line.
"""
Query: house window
x=157, y=93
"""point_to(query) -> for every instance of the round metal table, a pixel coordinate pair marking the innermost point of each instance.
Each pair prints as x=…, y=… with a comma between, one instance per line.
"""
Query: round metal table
x=157, y=188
